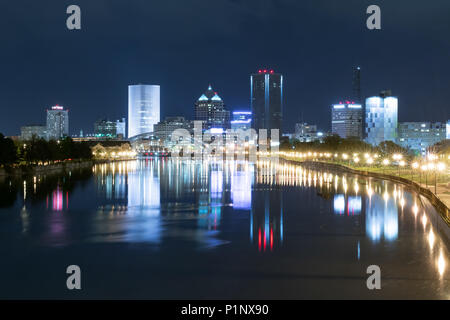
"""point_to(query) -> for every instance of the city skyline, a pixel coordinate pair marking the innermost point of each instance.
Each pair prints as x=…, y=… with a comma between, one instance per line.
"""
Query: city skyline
x=210, y=153
x=315, y=76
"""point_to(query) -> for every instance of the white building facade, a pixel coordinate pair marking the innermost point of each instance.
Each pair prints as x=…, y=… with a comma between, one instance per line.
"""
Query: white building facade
x=381, y=119
x=57, y=122
x=143, y=108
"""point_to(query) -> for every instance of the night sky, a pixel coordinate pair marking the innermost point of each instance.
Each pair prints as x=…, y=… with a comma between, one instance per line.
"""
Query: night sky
x=185, y=45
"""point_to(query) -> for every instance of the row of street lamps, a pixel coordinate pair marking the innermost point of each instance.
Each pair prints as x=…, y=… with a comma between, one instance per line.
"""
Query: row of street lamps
x=429, y=164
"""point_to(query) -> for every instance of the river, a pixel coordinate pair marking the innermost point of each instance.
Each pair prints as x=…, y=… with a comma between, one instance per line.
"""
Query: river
x=167, y=229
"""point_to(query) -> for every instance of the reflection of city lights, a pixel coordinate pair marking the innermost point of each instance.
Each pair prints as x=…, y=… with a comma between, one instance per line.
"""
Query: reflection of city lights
x=354, y=205
x=415, y=209
x=241, y=189
x=424, y=220
x=339, y=203
x=57, y=199
x=441, y=264
x=381, y=220
x=369, y=191
x=431, y=238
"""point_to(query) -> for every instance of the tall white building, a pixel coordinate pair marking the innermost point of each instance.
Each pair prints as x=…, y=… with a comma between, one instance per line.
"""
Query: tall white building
x=57, y=122
x=381, y=118
x=143, y=108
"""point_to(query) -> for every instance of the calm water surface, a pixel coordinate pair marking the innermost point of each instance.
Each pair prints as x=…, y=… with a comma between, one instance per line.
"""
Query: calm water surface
x=164, y=229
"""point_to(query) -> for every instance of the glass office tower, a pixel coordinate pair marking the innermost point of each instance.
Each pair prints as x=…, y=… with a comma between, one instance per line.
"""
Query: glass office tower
x=57, y=122
x=266, y=92
x=143, y=108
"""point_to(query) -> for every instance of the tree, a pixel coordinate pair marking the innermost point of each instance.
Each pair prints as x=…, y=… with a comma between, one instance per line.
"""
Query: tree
x=389, y=147
x=8, y=151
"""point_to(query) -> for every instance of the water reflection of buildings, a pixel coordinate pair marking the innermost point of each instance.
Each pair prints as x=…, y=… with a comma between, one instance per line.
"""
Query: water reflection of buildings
x=266, y=219
x=57, y=200
x=375, y=207
x=381, y=218
x=112, y=179
x=144, y=186
x=241, y=187
x=347, y=205
x=211, y=196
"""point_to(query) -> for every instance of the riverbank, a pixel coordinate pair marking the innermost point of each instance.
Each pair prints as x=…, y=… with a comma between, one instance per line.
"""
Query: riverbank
x=441, y=205
x=55, y=168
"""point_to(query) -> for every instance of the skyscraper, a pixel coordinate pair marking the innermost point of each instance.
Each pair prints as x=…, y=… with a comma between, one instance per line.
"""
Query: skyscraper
x=57, y=122
x=143, y=108
x=210, y=109
x=347, y=120
x=381, y=118
x=266, y=92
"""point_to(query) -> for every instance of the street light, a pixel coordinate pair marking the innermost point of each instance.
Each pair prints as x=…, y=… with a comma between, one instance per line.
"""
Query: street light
x=385, y=163
x=424, y=169
x=400, y=164
x=414, y=165
x=438, y=167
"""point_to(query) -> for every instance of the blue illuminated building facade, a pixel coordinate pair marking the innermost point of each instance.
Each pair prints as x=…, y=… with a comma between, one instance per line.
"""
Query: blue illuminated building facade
x=381, y=118
x=419, y=136
x=266, y=92
x=241, y=120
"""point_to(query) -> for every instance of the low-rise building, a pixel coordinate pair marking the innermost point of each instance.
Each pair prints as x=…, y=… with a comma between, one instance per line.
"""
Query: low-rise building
x=241, y=120
x=305, y=132
x=419, y=136
x=37, y=131
x=105, y=129
x=164, y=129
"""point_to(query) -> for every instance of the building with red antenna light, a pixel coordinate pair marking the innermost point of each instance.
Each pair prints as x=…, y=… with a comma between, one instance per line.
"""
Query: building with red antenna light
x=266, y=92
x=57, y=122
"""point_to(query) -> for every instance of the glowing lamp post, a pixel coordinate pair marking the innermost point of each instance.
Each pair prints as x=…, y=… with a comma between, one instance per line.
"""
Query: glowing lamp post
x=424, y=169
x=415, y=166
x=385, y=163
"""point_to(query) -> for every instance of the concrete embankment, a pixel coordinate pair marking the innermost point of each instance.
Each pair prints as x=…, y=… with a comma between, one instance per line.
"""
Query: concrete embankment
x=440, y=206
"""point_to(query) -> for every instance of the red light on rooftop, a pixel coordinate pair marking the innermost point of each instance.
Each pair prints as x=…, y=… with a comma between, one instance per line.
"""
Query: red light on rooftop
x=259, y=71
x=271, y=71
x=265, y=71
